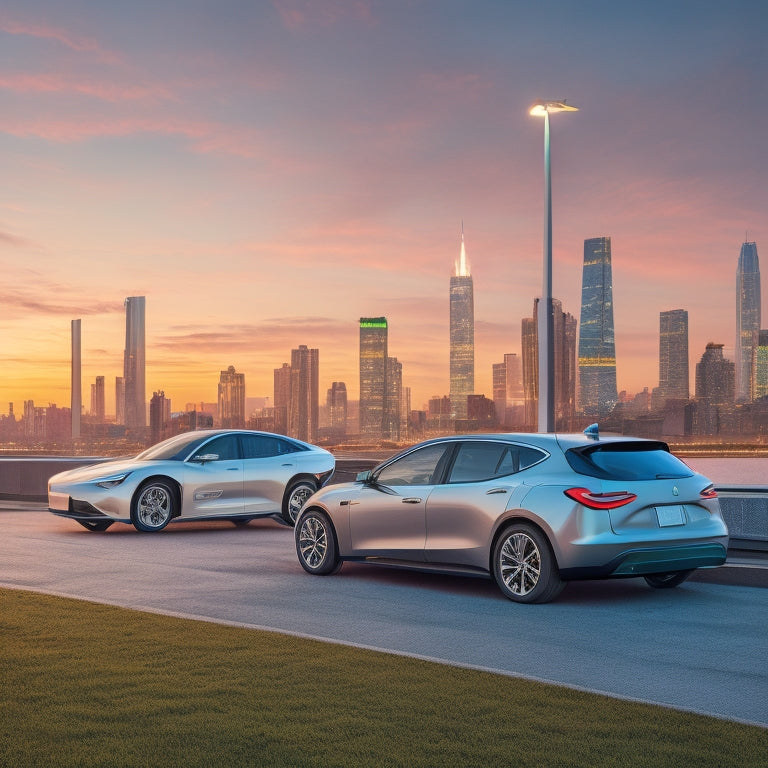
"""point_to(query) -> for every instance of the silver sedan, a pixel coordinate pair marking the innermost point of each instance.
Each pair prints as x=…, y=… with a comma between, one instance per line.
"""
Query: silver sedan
x=532, y=511
x=236, y=475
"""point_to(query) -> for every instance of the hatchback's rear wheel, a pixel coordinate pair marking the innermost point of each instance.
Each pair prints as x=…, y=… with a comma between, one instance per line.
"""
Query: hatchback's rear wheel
x=316, y=544
x=524, y=566
x=667, y=580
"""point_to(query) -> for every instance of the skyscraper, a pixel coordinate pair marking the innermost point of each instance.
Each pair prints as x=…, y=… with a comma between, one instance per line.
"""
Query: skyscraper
x=393, y=404
x=597, y=347
x=747, y=321
x=673, y=355
x=231, y=399
x=282, y=398
x=373, y=375
x=97, y=400
x=77, y=390
x=564, y=340
x=761, y=374
x=462, y=335
x=134, y=364
x=715, y=387
x=337, y=408
x=304, y=406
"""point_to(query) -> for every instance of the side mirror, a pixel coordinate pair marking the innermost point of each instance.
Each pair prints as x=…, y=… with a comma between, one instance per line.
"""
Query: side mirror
x=203, y=457
x=363, y=477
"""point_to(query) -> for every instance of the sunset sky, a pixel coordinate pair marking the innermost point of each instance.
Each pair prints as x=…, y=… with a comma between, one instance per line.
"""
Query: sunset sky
x=266, y=173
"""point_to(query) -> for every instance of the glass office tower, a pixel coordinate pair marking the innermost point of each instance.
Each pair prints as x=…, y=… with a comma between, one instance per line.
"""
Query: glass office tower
x=747, y=321
x=597, y=347
x=373, y=375
x=673, y=355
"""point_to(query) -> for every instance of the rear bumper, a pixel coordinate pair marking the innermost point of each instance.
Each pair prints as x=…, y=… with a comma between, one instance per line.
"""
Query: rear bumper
x=645, y=561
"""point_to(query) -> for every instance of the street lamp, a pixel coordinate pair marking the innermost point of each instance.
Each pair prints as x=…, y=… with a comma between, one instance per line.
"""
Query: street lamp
x=545, y=321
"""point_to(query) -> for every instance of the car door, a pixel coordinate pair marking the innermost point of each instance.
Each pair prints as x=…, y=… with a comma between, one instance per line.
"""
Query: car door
x=268, y=464
x=213, y=479
x=387, y=518
x=461, y=512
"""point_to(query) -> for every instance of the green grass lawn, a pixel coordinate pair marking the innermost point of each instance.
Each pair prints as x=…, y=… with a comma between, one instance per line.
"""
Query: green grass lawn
x=93, y=685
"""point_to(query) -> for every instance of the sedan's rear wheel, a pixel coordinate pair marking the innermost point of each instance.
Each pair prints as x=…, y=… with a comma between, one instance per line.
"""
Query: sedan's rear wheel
x=667, y=580
x=524, y=566
x=153, y=506
x=316, y=544
x=295, y=499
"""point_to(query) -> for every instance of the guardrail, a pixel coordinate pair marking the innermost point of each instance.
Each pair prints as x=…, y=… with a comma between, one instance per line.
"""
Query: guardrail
x=744, y=508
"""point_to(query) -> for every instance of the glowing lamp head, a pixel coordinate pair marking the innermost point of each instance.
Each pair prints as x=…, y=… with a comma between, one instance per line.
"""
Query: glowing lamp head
x=541, y=108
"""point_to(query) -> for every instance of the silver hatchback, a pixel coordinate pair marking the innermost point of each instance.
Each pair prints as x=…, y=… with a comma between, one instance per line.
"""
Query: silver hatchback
x=531, y=510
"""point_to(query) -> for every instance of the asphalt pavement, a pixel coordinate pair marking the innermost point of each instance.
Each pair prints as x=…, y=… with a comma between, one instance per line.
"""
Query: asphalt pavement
x=700, y=647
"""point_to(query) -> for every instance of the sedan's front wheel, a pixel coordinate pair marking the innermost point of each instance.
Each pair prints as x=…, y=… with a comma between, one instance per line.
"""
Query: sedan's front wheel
x=153, y=506
x=524, y=566
x=316, y=544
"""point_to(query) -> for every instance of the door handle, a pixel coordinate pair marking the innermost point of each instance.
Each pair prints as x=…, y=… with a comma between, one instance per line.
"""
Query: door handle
x=496, y=490
x=233, y=469
x=411, y=500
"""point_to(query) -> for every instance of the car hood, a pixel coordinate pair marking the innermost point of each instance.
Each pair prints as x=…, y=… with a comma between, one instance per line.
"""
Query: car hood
x=95, y=471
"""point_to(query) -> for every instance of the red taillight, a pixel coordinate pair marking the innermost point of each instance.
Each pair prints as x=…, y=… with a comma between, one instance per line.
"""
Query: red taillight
x=709, y=492
x=600, y=500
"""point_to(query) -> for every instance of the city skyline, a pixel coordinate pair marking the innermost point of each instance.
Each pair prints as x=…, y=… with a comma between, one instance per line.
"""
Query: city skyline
x=275, y=174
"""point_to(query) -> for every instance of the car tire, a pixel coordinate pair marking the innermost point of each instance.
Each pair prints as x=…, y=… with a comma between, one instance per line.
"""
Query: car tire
x=316, y=544
x=524, y=566
x=153, y=506
x=295, y=498
x=667, y=580
x=96, y=525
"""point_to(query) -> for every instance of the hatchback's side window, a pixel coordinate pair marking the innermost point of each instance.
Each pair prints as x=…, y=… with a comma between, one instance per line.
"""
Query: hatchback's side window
x=478, y=460
x=415, y=468
x=224, y=448
x=528, y=457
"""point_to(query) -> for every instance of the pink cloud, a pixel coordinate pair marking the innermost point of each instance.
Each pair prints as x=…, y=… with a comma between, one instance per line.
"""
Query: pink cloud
x=296, y=14
x=75, y=43
x=56, y=83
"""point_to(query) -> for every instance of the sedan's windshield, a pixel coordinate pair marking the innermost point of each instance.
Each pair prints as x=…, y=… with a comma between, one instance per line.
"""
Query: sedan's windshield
x=174, y=448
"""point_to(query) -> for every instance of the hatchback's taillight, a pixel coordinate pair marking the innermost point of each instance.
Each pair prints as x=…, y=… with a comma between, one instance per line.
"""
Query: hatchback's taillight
x=600, y=500
x=708, y=493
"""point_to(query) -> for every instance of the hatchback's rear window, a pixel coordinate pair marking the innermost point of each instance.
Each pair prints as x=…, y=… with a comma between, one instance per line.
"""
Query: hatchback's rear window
x=627, y=461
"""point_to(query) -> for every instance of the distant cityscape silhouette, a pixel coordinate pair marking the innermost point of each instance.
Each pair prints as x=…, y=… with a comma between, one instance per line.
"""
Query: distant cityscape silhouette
x=730, y=399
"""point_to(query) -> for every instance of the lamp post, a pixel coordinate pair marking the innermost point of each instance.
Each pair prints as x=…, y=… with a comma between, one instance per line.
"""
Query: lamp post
x=545, y=320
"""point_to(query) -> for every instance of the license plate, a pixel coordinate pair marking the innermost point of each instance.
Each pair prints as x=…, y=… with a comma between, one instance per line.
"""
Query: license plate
x=668, y=516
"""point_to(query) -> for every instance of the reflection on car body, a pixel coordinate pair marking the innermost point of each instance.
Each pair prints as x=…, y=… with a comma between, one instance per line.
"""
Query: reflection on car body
x=533, y=511
x=236, y=475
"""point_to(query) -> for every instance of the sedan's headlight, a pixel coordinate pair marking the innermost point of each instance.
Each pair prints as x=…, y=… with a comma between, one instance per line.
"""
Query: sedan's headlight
x=112, y=480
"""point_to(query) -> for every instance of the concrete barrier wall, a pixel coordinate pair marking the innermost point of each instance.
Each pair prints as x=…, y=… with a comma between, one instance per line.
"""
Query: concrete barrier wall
x=745, y=509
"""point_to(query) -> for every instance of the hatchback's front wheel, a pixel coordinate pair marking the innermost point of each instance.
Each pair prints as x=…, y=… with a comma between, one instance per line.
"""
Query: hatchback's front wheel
x=316, y=544
x=524, y=566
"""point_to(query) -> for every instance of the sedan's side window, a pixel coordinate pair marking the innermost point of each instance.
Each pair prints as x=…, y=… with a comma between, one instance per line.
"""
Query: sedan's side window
x=415, y=468
x=224, y=447
x=259, y=446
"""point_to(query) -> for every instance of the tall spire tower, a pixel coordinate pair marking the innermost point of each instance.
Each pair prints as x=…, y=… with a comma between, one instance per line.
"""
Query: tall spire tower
x=747, y=321
x=462, y=330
